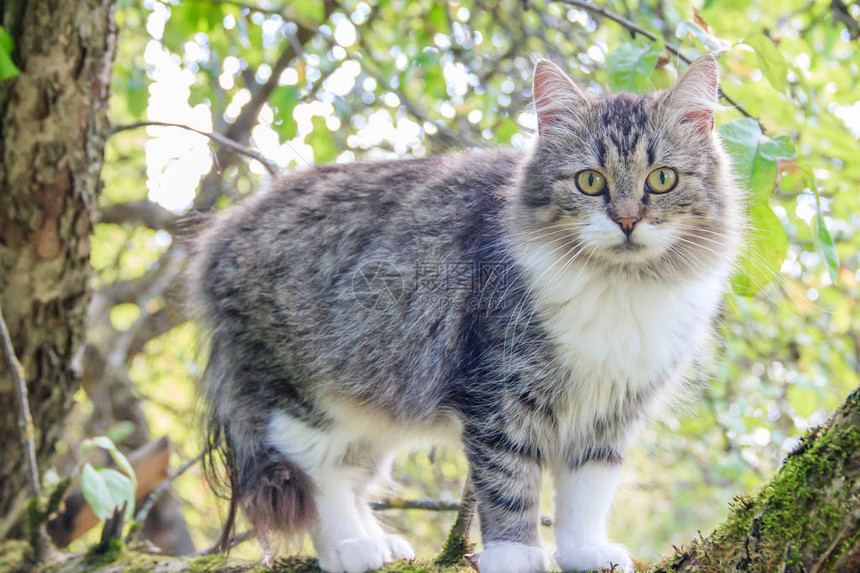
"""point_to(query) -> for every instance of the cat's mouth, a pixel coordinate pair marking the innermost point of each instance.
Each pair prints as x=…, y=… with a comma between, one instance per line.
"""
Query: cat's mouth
x=629, y=245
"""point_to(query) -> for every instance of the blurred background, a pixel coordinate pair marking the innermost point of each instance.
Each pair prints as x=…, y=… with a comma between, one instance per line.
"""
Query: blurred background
x=299, y=83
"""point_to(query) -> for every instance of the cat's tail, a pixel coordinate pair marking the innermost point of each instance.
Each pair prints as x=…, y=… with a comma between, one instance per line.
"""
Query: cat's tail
x=275, y=495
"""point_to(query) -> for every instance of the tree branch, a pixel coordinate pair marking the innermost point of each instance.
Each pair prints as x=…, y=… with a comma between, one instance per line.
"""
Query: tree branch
x=635, y=28
x=153, y=497
x=415, y=111
x=239, y=130
x=804, y=519
x=27, y=432
x=458, y=545
x=171, y=265
x=225, y=141
x=146, y=213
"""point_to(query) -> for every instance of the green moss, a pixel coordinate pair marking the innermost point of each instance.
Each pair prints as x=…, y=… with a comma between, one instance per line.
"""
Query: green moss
x=106, y=552
x=456, y=546
x=207, y=563
x=797, y=516
x=310, y=565
x=12, y=555
x=423, y=567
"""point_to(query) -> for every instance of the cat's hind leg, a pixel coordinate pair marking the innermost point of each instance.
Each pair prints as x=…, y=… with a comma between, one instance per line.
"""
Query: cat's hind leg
x=345, y=535
x=380, y=467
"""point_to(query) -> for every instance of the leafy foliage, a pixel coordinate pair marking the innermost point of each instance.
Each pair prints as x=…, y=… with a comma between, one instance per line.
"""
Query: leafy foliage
x=630, y=65
x=391, y=78
x=8, y=69
x=106, y=489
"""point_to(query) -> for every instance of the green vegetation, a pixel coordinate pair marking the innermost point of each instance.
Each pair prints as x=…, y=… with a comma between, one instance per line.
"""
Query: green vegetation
x=297, y=83
x=796, y=515
x=395, y=78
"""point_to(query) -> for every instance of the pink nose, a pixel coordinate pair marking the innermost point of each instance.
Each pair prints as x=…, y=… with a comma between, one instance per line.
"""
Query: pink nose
x=627, y=224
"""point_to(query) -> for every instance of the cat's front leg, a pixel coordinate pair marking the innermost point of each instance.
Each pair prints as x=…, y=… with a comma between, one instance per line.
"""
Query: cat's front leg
x=506, y=477
x=583, y=497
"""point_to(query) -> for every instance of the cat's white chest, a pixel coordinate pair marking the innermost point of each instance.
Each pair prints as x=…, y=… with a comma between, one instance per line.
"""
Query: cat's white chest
x=618, y=336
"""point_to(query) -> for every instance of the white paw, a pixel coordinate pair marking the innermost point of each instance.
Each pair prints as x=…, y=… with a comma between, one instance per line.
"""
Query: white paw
x=354, y=556
x=595, y=558
x=398, y=548
x=512, y=558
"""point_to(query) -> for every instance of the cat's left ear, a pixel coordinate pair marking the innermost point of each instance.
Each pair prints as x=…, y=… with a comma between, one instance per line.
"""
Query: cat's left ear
x=556, y=96
x=693, y=98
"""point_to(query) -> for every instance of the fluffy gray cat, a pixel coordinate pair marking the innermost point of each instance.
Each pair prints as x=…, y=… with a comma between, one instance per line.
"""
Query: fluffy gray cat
x=533, y=306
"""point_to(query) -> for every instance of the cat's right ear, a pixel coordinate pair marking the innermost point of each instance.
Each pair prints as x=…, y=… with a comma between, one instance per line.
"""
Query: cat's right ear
x=556, y=96
x=693, y=98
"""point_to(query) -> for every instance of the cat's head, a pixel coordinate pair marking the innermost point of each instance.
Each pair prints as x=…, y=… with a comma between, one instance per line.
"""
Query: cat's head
x=629, y=182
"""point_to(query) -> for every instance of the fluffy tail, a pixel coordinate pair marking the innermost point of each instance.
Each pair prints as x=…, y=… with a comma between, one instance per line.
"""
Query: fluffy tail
x=275, y=495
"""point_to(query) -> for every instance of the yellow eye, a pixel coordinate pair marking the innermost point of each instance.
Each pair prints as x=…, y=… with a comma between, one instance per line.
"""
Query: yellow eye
x=661, y=180
x=590, y=182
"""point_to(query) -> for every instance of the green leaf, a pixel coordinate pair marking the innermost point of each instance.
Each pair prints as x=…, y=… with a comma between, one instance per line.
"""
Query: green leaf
x=766, y=164
x=741, y=138
x=120, y=430
x=755, y=158
x=8, y=69
x=106, y=490
x=771, y=61
x=119, y=458
x=7, y=42
x=764, y=252
x=708, y=41
x=285, y=99
x=630, y=65
x=322, y=140
x=824, y=241
x=506, y=130
x=434, y=81
x=438, y=19
x=96, y=492
x=823, y=238
x=309, y=10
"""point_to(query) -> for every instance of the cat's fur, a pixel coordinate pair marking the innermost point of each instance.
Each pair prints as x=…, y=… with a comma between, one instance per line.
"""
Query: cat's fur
x=355, y=309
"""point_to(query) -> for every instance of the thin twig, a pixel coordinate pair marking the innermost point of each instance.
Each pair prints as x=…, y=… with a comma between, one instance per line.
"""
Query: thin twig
x=170, y=266
x=232, y=542
x=248, y=6
x=144, y=510
x=217, y=137
x=425, y=504
x=26, y=429
x=240, y=129
x=379, y=505
x=457, y=545
x=286, y=12
x=413, y=109
x=637, y=29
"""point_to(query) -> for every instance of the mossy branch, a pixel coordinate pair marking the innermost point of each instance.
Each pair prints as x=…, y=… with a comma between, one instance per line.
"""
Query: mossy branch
x=805, y=519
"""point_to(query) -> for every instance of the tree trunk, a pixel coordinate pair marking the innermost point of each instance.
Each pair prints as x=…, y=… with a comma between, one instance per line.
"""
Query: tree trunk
x=53, y=126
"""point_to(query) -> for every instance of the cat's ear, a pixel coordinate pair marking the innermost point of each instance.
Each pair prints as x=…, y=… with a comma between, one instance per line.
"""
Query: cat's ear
x=693, y=98
x=556, y=96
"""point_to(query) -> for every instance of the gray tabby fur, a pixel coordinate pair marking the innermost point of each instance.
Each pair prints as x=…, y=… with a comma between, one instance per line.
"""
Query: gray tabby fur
x=464, y=339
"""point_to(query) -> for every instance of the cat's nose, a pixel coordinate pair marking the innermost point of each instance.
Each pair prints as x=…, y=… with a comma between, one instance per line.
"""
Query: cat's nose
x=627, y=224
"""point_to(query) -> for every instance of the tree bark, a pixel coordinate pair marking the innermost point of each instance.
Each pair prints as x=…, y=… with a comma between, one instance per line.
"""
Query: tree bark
x=53, y=126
